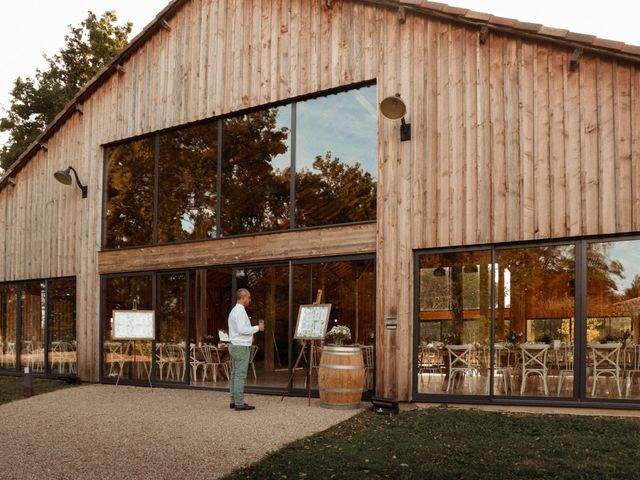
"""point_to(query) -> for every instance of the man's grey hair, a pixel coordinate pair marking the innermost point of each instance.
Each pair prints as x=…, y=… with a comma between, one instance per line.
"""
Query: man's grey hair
x=241, y=293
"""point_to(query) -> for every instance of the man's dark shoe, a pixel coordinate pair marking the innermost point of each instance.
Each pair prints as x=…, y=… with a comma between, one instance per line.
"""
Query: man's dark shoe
x=244, y=407
x=232, y=405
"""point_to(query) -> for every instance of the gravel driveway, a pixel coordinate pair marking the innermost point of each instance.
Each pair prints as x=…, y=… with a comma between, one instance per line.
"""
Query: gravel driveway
x=103, y=431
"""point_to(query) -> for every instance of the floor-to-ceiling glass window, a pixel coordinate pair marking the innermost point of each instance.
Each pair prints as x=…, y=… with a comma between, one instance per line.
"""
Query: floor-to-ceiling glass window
x=8, y=325
x=210, y=304
x=349, y=286
x=32, y=327
x=269, y=356
x=171, y=351
x=61, y=301
x=613, y=320
x=534, y=324
x=454, y=323
x=122, y=358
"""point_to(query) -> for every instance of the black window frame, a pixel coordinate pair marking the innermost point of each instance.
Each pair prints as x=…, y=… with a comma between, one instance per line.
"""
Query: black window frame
x=19, y=284
x=219, y=120
x=579, y=397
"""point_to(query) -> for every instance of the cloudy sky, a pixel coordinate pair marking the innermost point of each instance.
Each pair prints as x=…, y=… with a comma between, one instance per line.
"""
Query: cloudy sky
x=39, y=26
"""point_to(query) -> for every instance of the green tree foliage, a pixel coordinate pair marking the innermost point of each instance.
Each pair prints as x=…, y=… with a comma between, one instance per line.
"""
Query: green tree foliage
x=36, y=101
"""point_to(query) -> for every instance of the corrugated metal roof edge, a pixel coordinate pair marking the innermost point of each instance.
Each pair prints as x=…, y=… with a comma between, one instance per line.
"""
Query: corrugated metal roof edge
x=591, y=43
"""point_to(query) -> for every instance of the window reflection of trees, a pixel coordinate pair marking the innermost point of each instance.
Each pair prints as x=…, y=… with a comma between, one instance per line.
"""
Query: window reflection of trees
x=129, y=209
x=335, y=174
x=334, y=192
x=255, y=182
x=187, y=184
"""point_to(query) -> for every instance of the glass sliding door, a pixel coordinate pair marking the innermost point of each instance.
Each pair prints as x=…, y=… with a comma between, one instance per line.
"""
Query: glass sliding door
x=32, y=326
x=171, y=321
x=61, y=298
x=210, y=304
x=269, y=287
x=613, y=320
x=8, y=326
x=534, y=321
x=454, y=323
x=122, y=358
x=349, y=286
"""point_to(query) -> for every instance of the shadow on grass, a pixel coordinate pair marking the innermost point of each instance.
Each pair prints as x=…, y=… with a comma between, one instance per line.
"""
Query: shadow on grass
x=442, y=443
x=11, y=388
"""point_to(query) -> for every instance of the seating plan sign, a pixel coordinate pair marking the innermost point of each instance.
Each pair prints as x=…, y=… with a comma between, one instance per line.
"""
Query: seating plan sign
x=312, y=321
x=133, y=325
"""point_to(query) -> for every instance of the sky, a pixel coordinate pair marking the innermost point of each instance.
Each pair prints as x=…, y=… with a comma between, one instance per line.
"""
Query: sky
x=45, y=23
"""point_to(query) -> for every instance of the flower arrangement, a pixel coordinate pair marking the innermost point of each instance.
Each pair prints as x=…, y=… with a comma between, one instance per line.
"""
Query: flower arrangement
x=339, y=334
x=513, y=338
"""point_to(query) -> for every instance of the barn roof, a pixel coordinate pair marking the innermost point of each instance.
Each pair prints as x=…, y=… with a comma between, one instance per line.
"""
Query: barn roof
x=578, y=41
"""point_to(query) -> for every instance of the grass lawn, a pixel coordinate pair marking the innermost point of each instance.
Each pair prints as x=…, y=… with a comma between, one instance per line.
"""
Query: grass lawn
x=11, y=387
x=441, y=443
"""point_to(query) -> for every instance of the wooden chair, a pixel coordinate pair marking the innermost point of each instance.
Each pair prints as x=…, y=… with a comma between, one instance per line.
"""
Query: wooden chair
x=252, y=355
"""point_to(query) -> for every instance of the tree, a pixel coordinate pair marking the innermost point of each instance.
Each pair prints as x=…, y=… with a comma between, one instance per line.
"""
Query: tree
x=36, y=101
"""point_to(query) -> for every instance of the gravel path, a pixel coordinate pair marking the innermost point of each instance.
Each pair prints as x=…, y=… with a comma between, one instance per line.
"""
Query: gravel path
x=103, y=431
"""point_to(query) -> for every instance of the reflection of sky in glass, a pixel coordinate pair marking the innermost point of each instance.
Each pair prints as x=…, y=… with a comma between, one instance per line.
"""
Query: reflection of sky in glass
x=628, y=254
x=283, y=120
x=344, y=124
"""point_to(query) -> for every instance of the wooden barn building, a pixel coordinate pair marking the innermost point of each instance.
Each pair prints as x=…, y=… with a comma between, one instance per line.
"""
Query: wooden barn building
x=479, y=233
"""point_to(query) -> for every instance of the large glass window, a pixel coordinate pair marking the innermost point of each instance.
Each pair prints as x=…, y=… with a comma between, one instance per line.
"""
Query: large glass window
x=61, y=297
x=336, y=160
x=349, y=287
x=256, y=162
x=335, y=171
x=211, y=302
x=171, y=313
x=454, y=319
x=8, y=324
x=122, y=358
x=534, y=338
x=130, y=185
x=269, y=287
x=32, y=311
x=613, y=319
x=187, y=184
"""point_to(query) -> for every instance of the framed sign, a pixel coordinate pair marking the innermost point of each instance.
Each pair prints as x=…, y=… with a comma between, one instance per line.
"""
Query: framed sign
x=312, y=321
x=133, y=325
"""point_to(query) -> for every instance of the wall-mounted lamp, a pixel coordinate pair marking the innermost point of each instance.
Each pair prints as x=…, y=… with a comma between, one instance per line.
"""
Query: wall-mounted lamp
x=64, y=177
x=394, y=108
x=11, y=181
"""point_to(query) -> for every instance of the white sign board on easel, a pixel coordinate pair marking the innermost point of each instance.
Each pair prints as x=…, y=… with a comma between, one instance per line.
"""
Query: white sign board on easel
x=133, y=325
x=312, y=321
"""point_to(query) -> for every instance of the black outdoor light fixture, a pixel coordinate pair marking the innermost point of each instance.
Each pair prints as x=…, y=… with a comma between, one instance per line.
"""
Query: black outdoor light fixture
x=394, y=108
x=64, y=177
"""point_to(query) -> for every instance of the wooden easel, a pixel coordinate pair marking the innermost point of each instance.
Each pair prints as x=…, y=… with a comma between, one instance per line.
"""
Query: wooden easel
x=312, y=348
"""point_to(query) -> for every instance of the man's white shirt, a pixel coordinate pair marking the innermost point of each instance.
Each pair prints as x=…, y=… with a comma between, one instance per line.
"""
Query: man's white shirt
x=240, y=329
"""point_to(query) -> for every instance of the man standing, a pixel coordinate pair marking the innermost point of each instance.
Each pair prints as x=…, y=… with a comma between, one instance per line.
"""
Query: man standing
x=241, y=337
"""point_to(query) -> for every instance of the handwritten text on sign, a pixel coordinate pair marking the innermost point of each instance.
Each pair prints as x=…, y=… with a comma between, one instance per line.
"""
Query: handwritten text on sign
x=133, y=325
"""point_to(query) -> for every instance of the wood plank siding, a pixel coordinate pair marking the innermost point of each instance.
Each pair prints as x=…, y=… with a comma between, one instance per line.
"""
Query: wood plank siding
x=509, y=144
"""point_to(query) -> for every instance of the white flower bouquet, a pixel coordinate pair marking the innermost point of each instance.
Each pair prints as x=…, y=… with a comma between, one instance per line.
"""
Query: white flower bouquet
x=339, y=334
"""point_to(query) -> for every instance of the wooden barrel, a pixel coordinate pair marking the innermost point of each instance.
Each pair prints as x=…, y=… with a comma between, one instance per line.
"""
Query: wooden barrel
x=341, y=377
